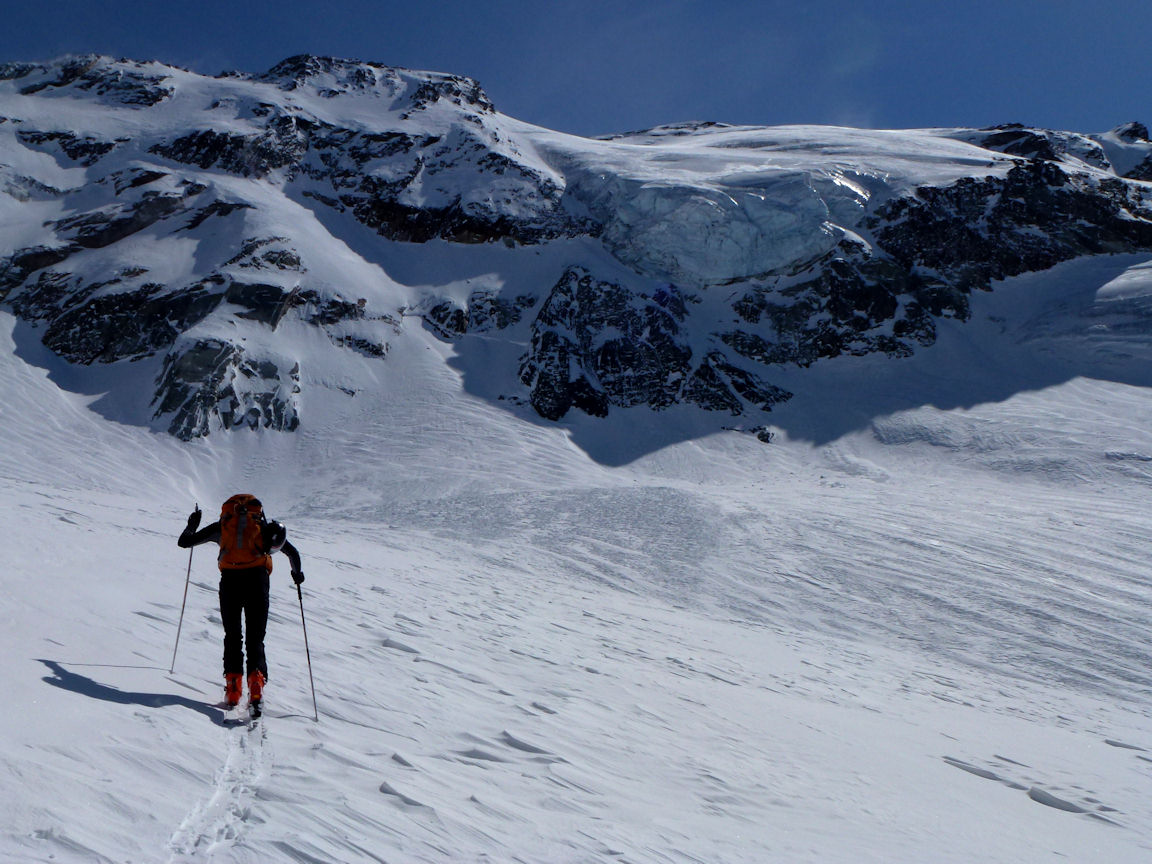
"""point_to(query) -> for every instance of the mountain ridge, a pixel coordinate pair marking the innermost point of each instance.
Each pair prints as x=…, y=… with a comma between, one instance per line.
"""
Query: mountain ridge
x=688, y=264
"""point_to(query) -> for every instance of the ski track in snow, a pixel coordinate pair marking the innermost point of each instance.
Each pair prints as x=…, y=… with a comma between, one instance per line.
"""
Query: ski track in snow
x=215, y=825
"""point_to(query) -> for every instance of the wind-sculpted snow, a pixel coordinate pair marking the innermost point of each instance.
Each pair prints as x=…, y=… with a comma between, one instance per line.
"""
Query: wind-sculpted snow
x=149, y=213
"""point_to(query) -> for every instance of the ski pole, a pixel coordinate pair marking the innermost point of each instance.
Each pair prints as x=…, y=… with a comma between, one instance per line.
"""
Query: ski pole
x=179, y=626
x=308, y=654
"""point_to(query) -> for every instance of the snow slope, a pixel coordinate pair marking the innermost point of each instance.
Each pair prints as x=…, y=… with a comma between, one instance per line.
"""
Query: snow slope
x=913, y=628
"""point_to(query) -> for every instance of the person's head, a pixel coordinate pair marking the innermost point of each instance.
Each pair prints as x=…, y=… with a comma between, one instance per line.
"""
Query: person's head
x=277, y=535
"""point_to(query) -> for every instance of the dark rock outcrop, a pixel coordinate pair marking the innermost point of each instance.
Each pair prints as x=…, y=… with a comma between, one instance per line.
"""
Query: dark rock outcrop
x=1037, y=216
x=118, y=82
x=596, y=344
x=214, y=384
x=281, y=145
x=127, y=325
x=484, y=311
x=511, y=200
x=86, y=150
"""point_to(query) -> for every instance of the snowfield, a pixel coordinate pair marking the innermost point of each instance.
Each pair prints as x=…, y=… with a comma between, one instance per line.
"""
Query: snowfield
x=915, y=627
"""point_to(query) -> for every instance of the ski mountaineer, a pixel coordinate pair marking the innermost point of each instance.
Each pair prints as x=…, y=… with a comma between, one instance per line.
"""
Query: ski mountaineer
x=247, y=541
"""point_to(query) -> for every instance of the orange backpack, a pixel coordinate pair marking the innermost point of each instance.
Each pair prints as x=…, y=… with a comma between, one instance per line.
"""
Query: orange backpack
x=242, y=534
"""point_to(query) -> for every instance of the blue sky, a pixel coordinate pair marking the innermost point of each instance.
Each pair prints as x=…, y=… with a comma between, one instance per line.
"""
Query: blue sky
x=594, y=67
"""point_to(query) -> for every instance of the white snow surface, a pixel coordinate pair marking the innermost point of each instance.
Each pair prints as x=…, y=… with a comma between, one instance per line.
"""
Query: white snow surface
x=913, y=628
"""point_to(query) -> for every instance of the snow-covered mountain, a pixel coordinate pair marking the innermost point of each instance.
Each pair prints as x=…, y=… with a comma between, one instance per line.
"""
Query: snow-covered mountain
x=198, y=223
x=914, y=628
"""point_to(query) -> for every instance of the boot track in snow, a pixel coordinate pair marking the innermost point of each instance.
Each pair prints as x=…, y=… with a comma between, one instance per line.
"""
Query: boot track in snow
x=221, y=820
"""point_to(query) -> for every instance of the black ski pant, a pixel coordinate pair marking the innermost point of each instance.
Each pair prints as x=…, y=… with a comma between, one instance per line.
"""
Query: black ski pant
x=244, y=598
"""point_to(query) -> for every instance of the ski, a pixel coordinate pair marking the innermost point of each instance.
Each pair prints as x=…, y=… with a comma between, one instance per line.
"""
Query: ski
x=244, y=714
x=246, y=718
x=240, y=715
x=235, y=717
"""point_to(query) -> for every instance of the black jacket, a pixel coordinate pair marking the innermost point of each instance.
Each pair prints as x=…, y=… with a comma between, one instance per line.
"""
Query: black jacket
x=211, y=534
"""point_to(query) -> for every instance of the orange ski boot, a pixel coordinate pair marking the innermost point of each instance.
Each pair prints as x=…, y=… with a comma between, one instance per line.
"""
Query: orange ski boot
x=255, y=688
x=233, y=688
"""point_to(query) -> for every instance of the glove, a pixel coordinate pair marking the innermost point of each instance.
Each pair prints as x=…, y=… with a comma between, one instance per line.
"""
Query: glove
x=297, y=576
x=194, y=520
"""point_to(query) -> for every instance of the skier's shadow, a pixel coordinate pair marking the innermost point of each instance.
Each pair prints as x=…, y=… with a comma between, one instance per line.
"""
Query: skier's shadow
x=75, y=683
